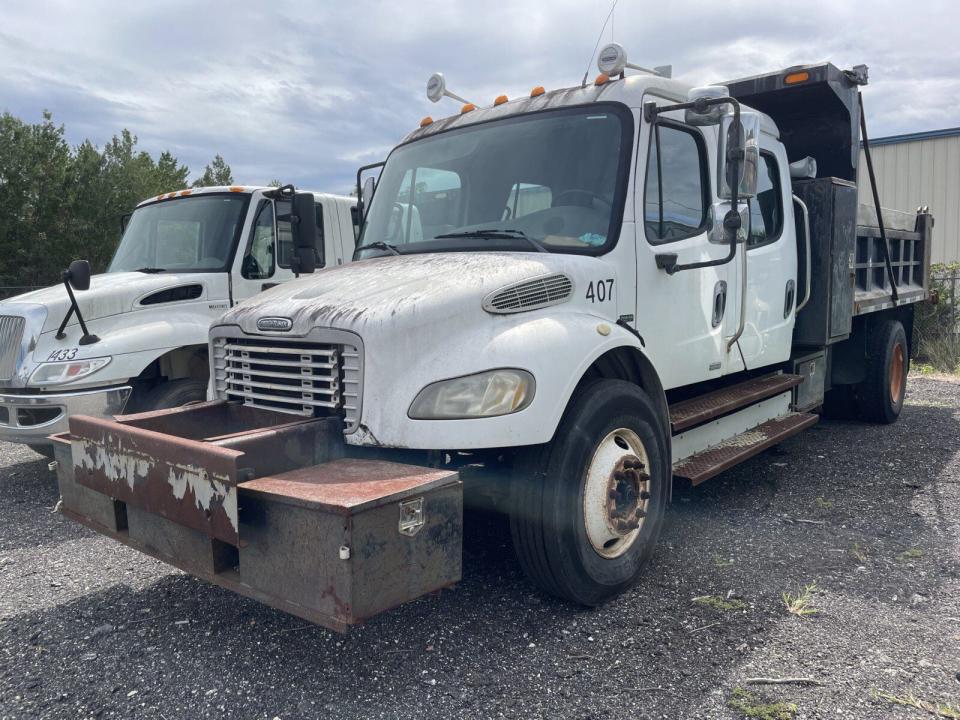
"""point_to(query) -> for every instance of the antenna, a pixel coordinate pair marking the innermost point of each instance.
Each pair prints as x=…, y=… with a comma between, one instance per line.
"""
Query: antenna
x=599, y=38
x=612, y=60
x=437, y=89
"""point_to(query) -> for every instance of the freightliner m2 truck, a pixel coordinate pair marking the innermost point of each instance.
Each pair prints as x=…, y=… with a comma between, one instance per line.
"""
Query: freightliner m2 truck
x=560, y=304
x=139, y=340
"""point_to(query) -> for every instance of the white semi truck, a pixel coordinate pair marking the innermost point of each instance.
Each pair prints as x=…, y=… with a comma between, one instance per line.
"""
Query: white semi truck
x=183, y=259
x=561, y=304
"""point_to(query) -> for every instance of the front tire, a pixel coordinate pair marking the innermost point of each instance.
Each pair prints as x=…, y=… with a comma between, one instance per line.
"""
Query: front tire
x=880, y=396
x=171, y=394
x=588, y=507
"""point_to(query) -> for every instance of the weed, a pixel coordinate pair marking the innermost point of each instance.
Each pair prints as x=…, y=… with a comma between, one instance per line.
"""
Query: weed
x=719, y=603
x=825, y=504
x=859, y=553
x=753, y=707
x=799, y=604
x=943, y=710
x=911, y=554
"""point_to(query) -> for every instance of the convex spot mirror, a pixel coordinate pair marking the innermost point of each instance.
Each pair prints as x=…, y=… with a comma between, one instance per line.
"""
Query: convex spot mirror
x=366, y=195
x=744, y=138
x=78, y=275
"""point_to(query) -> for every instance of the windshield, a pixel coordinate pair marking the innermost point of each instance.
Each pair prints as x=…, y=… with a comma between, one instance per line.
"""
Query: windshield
x=189, y=234
x=554, y=177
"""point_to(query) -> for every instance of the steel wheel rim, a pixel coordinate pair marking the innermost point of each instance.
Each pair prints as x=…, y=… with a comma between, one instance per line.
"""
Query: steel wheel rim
x=896, y=373
x=616, y=494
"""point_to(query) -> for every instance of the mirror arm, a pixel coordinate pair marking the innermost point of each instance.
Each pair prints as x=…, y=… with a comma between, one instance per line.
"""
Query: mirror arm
x=87, y=338
x=731, y=221
x=360, y=171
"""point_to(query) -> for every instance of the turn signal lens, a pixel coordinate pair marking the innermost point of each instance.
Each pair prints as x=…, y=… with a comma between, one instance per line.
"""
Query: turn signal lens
x=55, y=373
x=537, y=91
x=797, y=77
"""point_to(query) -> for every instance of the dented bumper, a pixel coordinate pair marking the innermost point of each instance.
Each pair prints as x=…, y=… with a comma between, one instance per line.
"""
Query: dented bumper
x=266, y=506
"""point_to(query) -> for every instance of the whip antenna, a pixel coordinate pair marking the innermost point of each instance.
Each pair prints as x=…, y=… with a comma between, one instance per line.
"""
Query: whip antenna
x=599, y=38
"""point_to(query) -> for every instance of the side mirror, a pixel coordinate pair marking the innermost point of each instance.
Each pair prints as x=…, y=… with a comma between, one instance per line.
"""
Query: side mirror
x=738, y=141
x=303, y=222
x=366, y=195
x=78, y=275
x=124, y=221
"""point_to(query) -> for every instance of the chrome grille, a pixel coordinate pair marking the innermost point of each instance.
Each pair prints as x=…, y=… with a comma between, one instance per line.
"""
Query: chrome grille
x=11, y=335
x=290, y=376
x=529, y=294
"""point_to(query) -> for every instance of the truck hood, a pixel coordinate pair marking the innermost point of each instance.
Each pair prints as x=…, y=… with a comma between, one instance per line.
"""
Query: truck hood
x=411, y=290
x=109, y=294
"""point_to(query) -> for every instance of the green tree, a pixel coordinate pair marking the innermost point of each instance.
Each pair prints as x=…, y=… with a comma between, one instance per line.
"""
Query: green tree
x=215, y=173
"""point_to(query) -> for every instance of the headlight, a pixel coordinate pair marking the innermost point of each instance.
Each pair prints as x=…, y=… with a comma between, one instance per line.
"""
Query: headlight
x=486, y=394
x=54, y=373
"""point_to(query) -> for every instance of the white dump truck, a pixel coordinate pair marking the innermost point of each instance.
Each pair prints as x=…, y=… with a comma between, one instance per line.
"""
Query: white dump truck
x=561, y=304
x=138, y=338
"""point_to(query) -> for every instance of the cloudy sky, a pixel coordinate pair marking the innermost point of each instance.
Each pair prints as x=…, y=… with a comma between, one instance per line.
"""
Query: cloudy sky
x=306, y=92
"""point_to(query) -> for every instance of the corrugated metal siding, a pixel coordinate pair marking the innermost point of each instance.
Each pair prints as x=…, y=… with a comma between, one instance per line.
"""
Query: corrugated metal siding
x=921, y=172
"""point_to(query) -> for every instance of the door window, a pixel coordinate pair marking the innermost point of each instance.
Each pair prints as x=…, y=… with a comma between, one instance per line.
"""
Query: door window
x=259, y=260
x=766, y=207
x=675, y=194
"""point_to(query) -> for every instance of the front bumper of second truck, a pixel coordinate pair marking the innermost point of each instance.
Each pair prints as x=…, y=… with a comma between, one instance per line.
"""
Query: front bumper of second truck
x=33, y=418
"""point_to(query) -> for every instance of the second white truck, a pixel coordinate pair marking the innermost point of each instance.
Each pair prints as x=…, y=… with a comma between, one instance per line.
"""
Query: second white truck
x=184, y=258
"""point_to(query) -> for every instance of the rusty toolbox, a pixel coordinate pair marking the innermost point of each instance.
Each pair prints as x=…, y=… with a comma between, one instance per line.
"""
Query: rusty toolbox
x=269, y=507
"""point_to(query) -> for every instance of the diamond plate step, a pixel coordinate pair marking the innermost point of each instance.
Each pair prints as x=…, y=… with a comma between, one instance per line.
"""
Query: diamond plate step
x=698, y=410
x=707, y=463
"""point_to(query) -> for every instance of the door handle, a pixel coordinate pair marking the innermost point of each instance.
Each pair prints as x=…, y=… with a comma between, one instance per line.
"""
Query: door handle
x=719, y=301
x=788, y=298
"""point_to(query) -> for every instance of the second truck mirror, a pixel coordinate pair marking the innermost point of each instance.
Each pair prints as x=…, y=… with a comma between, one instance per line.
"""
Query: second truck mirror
x=304, y=224
x=746, y=139
x=369, y=185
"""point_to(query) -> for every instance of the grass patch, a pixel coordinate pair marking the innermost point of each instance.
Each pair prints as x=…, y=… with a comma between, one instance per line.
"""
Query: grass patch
x=911, y=554
x=943, y=710
x=719, y=603
x=859, y=553
x=799, y=604
x=754, y=707
x=824, y=503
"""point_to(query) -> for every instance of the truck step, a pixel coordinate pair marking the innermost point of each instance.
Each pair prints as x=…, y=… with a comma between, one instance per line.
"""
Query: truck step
x=704, y=465
x=696, y=411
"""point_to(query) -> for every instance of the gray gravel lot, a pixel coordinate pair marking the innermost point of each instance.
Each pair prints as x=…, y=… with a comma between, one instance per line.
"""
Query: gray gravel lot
x=89, y=628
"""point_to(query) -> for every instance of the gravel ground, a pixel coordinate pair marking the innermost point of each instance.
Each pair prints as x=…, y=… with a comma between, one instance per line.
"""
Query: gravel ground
x=89, y=628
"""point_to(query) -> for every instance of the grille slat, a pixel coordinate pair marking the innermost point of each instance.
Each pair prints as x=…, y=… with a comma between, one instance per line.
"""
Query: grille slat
x=11, y=335
x=290, y=376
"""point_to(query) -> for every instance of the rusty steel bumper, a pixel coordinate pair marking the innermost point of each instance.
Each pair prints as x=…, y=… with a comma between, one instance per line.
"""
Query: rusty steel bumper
x=265, y=505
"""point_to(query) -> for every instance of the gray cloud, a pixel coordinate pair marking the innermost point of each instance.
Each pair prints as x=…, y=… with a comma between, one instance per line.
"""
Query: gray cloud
x=307, y=93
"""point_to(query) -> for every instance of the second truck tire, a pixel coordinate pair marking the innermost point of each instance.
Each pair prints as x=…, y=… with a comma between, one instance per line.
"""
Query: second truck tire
x=171, y=394
x=880, y=396
x=588, y=507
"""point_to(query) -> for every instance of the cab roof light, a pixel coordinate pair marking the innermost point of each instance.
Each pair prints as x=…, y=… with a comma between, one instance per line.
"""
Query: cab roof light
x=235, y=188
x=537, y=91
x=426, y=121
x=469, y=107
x=184, y=193
x=501, y=99
x=796, y=77
x=602, y=79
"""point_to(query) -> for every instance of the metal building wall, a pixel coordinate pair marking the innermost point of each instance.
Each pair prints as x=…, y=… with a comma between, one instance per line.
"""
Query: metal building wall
x=920, y=172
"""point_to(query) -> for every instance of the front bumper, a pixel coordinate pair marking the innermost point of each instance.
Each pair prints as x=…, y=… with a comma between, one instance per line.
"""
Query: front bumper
x=33, y=418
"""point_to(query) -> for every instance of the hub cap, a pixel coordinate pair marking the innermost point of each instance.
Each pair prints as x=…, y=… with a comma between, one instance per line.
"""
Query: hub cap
x=617, y=493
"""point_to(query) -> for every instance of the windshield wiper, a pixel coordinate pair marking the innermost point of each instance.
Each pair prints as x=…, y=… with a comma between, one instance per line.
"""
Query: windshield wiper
x=379, y=245
x=495, y=234
x=150, y=270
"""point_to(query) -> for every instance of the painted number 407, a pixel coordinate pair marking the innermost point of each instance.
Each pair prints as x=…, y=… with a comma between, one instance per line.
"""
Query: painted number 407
x=600, y=291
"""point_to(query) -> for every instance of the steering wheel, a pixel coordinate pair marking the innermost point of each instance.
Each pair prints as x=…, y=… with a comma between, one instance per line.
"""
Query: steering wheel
x=580, y=198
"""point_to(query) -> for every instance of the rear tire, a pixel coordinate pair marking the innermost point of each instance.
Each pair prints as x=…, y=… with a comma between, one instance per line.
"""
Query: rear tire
x=171, y=394
x=577, y=500
x=880, y=396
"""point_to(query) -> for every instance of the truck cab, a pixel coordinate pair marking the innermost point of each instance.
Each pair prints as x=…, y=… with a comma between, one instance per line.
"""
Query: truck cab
x=183, y=259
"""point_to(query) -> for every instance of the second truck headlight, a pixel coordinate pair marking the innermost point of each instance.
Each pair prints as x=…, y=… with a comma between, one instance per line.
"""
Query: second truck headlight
x=55, y=373
x=486, y=394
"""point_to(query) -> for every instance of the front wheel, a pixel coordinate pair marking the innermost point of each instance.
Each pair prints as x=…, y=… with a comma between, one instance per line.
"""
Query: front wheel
x=171, y=394
x=588, y=507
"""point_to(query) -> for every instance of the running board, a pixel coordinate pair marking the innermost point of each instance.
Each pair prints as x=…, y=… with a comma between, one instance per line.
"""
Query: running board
x=698, y=410
x=707, y=463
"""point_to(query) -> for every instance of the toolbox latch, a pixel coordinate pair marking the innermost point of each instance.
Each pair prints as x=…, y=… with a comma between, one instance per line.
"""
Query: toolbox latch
x=411, y=516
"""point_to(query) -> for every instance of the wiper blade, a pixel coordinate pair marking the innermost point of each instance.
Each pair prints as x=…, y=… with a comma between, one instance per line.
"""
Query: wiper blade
x=496, y=234
x=150, y=270
x=379, y=245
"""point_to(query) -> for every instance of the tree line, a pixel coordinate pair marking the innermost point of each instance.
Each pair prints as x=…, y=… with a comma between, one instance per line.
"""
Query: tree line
x=60, y=202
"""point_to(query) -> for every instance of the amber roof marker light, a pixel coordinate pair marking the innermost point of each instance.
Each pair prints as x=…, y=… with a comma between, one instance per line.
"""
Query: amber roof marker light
x=796, y=77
